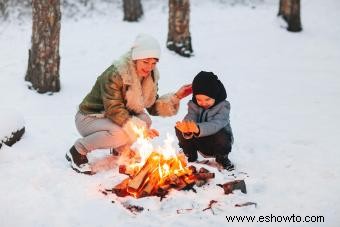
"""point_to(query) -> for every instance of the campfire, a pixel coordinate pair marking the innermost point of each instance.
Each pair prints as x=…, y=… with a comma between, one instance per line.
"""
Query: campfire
x=153, y=172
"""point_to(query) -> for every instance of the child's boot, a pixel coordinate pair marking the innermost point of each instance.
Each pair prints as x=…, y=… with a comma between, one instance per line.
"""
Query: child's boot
x=225, y=162
x=191, y=154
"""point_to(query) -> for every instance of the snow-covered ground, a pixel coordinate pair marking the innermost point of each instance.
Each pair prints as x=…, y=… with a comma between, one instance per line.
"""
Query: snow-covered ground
x=284, y=90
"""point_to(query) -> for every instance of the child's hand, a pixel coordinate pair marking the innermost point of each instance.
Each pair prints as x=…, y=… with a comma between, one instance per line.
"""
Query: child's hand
x=187, y=127
x=181, y=126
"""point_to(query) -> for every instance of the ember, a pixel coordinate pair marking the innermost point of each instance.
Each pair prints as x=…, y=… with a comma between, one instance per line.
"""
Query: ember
x=158, y=171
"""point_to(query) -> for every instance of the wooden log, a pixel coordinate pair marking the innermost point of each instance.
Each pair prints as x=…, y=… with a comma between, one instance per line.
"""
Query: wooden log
x=180, y=184
x=151, y=185
x=130, y=171
x=200, y=183
x=137, y=181
x=164, y=187
x=189, y=180
x=180, y=173
x=193, y=169
x=121, y=188
x=122, y=169
x=192, y=177
x=203, y=170
x=204, y=176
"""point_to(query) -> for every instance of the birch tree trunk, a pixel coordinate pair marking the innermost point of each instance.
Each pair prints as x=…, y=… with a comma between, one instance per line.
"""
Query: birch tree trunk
x=133, y=10
x=289, y=10
x=179, y=39
x=43, y=57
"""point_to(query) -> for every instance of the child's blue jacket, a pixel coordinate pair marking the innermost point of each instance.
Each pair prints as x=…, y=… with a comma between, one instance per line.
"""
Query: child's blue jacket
x=212, y=120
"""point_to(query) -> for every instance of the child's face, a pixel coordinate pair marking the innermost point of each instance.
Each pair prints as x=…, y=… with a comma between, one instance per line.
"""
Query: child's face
x=204, y=101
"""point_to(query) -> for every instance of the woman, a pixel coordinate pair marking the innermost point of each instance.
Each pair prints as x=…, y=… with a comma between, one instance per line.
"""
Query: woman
x=118, y=100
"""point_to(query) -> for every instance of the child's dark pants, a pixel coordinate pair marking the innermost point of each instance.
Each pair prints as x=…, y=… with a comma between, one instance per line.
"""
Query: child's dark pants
x=217, y=145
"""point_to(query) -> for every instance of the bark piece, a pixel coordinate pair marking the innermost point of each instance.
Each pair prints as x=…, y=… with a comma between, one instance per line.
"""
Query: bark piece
x=229, y=187
x=246, y=204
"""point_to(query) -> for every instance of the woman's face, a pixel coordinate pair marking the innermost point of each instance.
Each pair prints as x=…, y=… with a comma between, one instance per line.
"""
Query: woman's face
x=145, y=66
x=204, y=101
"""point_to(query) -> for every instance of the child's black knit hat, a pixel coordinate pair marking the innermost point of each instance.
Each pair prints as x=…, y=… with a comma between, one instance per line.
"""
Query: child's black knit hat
x=207, y=83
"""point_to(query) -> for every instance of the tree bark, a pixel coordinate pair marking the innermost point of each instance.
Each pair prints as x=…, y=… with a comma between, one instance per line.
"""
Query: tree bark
x=3, y=8
x=43, y=57
x=179, y=38
x=289, y=10
x=133, y=10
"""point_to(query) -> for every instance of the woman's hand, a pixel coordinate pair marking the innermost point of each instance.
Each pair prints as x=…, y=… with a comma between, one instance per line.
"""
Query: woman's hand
x=184, y=91
x=152, y=133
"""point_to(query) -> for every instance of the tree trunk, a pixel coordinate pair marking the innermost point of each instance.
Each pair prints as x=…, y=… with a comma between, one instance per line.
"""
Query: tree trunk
x=179, y=39
x=43, y=57
x=290, y=12
x=133, y=10
x=3, y=9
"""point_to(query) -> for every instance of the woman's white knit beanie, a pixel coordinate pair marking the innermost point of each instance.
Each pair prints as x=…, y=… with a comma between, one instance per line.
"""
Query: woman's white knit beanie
x=145, y=46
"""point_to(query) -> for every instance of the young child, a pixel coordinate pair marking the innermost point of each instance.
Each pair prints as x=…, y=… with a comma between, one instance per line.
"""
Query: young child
x=206, y=127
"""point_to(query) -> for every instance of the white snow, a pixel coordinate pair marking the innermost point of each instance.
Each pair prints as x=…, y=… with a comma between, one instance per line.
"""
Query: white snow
x=284, y=90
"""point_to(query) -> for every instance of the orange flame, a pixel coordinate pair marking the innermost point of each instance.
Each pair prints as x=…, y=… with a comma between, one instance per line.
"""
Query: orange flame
x=156, y=166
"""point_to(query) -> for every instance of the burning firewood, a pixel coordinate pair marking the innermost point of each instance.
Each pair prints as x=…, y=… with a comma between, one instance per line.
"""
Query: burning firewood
x=204, y=176
x=121, y=188
x=154, y=173
x=189, y=180
x=123, y=170
x=148, y=182
x=192, y=169
x=136, y=182
x=158, y=175
x=130, y=171
x=151, y=185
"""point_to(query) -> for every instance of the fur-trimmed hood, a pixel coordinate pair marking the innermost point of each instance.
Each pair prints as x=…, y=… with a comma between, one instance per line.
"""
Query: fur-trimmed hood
x=139, y=95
